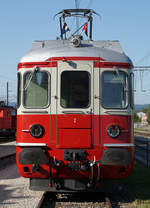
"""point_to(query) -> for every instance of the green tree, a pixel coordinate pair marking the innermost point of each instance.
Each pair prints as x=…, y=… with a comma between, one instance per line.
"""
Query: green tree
x=136, y=118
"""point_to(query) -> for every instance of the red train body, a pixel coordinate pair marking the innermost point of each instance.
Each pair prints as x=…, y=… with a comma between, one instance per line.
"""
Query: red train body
x=7, y=121
x=74, y=122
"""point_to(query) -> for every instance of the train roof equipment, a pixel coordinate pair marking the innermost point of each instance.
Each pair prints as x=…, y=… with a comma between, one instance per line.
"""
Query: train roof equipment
x=44, y=50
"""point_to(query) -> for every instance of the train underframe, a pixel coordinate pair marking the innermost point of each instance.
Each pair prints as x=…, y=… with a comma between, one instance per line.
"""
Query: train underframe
x=75, y=172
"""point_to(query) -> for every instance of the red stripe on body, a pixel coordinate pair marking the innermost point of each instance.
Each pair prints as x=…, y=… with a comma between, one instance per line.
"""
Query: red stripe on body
x=40, y=64
x=112, y=64
x=52, y=62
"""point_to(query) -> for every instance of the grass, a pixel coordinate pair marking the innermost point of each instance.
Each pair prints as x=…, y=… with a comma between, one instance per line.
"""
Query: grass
x=138, y=184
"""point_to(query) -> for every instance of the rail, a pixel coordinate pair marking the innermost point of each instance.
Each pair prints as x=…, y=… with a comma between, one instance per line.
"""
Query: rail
x=52, y=200
x=142, y=150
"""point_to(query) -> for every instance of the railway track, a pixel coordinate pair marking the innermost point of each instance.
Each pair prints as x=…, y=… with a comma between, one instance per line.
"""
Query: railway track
x=7, y=159
x=7, y=138
x=47, y=200
x=108, y=202
x=76, y=200
x=7, y=156
x=142, y=133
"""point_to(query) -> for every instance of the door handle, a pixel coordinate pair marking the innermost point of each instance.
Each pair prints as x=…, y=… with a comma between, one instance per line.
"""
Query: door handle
x=56, y=97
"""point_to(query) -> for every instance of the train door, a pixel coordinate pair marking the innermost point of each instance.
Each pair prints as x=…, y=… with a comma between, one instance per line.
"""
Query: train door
x=75, y=105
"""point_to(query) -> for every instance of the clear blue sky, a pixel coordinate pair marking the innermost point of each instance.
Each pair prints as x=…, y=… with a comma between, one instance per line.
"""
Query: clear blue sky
x=23, y=21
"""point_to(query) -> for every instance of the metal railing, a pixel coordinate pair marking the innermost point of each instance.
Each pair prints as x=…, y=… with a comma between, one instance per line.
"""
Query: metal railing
x=142, y=151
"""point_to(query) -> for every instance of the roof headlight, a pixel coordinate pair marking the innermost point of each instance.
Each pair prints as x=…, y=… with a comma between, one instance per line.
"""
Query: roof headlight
x=113, y=131
x=36, y=130
x=76, y=41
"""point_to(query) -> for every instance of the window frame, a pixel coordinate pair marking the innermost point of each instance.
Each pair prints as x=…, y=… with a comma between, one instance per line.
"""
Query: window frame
x=89, y=93
x=127, y=93
x=131, y=89
x=19, y=81
x=48, y=91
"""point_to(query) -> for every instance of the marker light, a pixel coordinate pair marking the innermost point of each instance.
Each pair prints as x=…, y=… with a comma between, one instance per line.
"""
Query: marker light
x=113, y=131
x=36, y=130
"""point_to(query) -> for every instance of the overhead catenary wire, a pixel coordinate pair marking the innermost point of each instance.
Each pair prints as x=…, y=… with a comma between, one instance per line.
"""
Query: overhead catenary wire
x=144, y=57
x=142, y=72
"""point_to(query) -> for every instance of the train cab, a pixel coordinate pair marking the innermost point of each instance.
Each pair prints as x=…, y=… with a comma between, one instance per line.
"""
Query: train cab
x=75, y=107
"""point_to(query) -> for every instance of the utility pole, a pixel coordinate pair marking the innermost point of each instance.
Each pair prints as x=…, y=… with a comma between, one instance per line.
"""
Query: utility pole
x=77, y=19
x=7, y=93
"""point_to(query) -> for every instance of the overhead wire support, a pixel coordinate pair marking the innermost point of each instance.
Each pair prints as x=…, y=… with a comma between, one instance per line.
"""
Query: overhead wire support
x=141, y=68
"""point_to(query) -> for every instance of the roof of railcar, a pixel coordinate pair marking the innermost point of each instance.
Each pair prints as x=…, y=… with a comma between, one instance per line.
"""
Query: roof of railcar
x=110, y=51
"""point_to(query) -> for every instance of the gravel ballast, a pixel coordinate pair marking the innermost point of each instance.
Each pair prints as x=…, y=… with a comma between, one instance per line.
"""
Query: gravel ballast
x=14, y=191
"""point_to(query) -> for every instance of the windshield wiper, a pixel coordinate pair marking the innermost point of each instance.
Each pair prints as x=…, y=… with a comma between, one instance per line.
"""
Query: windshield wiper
x=35, y=69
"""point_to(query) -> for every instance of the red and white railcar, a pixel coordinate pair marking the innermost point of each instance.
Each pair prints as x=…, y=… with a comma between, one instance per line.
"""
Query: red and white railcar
x=75, y=105
x=7, y=120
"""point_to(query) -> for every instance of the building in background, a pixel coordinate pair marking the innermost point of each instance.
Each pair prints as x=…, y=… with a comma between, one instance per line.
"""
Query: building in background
x=143, y=117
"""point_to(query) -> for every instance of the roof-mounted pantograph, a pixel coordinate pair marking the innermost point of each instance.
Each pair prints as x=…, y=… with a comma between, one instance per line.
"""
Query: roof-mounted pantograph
x=77, y=13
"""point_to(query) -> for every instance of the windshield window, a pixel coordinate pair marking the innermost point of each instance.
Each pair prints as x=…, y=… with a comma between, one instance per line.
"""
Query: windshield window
x=36, y=89
x=75, y=87
x=114, y=89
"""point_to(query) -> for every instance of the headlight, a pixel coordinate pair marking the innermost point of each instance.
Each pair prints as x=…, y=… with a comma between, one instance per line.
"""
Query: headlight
x=36, y=130
x=113, y=131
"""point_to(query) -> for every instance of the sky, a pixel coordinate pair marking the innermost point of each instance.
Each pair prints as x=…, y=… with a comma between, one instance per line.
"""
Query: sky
x=23, y=21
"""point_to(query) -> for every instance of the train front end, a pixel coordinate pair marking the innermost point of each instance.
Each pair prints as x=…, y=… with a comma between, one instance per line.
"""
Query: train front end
x=74, y=122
